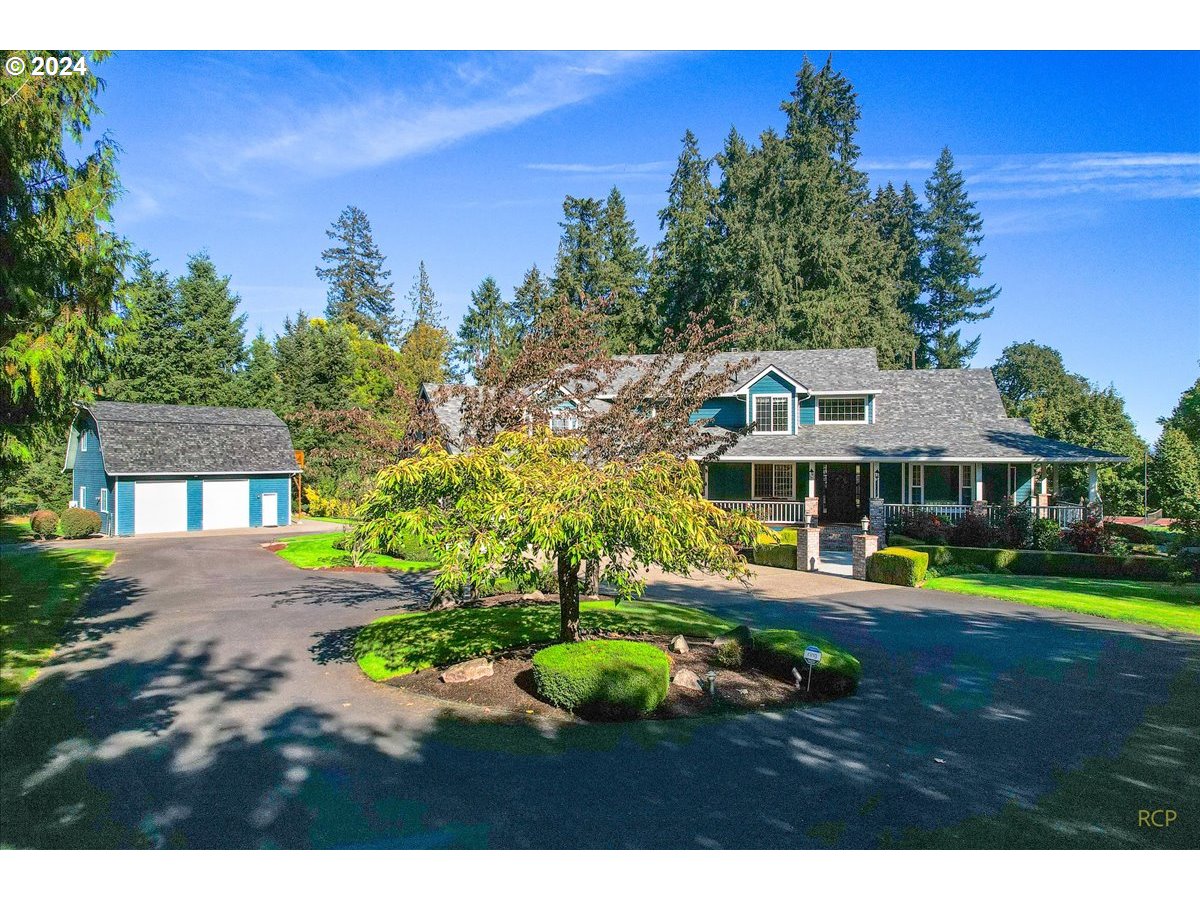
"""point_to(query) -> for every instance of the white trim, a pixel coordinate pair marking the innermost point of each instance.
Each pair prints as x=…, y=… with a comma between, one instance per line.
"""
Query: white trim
x=856, y=393
x=82, y=501
x=744, y=387
x=789, y=404
x=116, y=530
x=83, y=441
x=288, y=472
x=104, y=500
x=754, y=478
x=903, y=459
x=865, y=420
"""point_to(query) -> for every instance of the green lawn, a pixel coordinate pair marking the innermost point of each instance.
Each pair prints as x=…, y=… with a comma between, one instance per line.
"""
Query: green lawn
x=316, y=551
x=15, y=529
x=39, y=592
x=1149, y=602
x=403, y=643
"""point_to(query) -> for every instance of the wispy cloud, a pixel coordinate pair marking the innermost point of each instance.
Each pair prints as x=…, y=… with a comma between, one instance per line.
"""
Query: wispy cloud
x=576, y=168
x=1132, y=176
x=354, y=128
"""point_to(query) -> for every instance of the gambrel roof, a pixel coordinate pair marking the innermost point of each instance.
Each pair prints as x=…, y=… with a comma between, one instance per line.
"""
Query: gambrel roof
x=159, y=439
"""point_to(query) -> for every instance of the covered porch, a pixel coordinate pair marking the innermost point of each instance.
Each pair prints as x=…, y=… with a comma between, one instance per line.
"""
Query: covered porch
x=792, y=492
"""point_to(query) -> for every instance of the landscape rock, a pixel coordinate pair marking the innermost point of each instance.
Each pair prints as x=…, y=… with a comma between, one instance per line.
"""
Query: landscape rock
x=688, y=680
x=471, y=670
x=741, y=634
x=679, y=645
x=533, y=595
x=442, y=600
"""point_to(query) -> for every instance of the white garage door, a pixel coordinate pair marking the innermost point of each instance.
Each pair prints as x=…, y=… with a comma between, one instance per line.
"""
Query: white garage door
x=226, y=504
x=159, y=506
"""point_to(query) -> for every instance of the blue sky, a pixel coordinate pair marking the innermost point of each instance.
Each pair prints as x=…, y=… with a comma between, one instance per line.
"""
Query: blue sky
x=1085, y=167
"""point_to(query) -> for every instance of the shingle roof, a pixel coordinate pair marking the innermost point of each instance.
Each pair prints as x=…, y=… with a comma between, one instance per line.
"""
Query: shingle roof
x=818, y=370
x=146, y=438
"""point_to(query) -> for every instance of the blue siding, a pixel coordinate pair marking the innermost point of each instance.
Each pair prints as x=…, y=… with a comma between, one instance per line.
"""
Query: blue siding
x=258, y=487
x=195, y=504
x=727, y=412
x=88, y=471
x=1024, y=482
x=870, y=407
x=771, y=384
x=124, y=491
x=808, y=411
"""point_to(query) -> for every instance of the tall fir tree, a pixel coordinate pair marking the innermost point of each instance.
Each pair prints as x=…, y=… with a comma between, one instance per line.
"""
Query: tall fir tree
x=427, y=344
x=897, y=215
x=683, y=274
x=315, y=363
x=532, y=300
x=622, y=278
x=213, y=334
x=487, y=332
x=147, y=353
x=258, y=383
x=951, y=231
x=359, y=290
x=579, y=250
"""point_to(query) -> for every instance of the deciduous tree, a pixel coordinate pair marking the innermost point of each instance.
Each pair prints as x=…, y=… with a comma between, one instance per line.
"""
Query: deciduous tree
x=1174, y=474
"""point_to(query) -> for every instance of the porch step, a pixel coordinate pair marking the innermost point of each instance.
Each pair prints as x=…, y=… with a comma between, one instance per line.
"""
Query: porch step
x=838, y=537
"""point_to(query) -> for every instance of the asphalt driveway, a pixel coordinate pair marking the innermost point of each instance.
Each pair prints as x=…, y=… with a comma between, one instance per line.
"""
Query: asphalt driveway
x=207, y=700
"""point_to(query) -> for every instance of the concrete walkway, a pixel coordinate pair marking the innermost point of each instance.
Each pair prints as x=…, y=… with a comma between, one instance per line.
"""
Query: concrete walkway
x=207, y=699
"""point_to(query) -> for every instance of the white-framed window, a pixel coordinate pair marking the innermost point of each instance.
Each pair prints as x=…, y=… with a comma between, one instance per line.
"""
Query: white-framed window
x=83, y=441
x=564, y=420
x=966, y=478
x=773, y=412
x=842, y=409
x=103, y=500
x=82, y=497
x=774, y=481
x=916, y=486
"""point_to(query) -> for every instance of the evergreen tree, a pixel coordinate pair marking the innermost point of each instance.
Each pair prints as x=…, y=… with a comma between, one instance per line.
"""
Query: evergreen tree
x=621, y=278
x=579, y=250
x=212, y=334
x=359, y=291
x=426, y=346
x=898, y=216
x=258, y=382
x=683, y=280
x=1174, y=474
x=315, y=363
x=425, y=306
x=532, y=299
x=150, y=357
x=951, y=232
x=487, y=330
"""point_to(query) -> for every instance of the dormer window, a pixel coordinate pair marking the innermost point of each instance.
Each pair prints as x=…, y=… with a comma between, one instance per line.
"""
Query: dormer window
x=83, y=441
x=773, y=413
x=842, y=409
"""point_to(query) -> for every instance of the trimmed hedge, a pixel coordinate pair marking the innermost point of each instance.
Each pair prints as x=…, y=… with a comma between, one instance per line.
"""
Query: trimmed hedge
x=612, y=678
x=903, y=540
x=1135, y=534
x=779, y=650
x=781, y=556
x=898, y=565
x=44, y=522
x=1050, y=562
x=78, y=523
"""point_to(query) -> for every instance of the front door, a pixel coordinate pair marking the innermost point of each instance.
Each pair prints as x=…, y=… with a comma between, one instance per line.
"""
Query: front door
x=839, y=494
x=270, y=510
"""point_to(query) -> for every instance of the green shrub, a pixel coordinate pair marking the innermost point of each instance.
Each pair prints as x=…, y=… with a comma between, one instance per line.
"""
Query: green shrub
x=897, y=565
x=781, y=556
x=44, y=522
x=1046, y=535
x=729, y=655
x=973, y=530
x=609, y=678
x=1135, y=534
x=1012, y=531
x=779, y=650
x=78, y=523
x=903, y=540
x=1046, y=562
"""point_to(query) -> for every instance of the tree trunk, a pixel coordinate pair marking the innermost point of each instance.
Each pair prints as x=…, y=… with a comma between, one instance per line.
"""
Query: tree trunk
x=568, y=598
x=591, y=577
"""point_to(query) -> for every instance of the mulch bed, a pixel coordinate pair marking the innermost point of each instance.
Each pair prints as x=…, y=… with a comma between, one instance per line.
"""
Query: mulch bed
x=511, y=689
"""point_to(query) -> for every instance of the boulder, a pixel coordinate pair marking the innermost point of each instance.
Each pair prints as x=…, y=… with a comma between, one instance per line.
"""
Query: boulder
x=679, y=645
x=741, y=634
x=471, y=670
x=688, y=680
x=533, y=595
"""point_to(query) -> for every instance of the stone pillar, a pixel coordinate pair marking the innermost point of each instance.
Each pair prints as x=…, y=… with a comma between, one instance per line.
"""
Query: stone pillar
x=864, y=546
x=812, y=508
x=808, y=548
x=875, y=513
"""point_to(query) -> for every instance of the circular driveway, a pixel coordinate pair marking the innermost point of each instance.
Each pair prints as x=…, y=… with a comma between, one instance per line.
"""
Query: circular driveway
x=206, y=699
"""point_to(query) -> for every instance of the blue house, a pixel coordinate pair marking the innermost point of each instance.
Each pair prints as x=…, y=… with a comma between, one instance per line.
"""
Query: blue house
x=823, y=432
x=151, y=468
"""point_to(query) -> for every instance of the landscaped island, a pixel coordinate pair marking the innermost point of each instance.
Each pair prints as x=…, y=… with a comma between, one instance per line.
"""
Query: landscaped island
x=638, y=658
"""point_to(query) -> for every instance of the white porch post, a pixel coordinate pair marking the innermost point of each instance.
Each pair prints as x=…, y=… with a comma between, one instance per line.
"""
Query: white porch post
x=812, y=480
x=1054, y=480
x=875, y=480
x=979, y=482
x=1093, y=484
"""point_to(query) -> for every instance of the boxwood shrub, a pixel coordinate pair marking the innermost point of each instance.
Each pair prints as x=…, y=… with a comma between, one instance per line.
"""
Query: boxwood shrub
x=44, y=522
x=781, y=556
x=78, y=523
x=779, y=650
x=1049, y=562
x=605, y=678
x=898, y=565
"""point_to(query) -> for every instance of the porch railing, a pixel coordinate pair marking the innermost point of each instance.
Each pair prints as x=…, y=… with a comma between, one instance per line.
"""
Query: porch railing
x=1062, y=513
x=773, y=512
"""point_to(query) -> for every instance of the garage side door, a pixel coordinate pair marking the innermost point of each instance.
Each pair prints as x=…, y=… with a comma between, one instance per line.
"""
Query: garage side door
x=226, y=504
x=159, y=506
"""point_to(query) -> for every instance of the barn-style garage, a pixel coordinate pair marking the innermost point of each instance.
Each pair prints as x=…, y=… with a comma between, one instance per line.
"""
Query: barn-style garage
x=149, y=468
